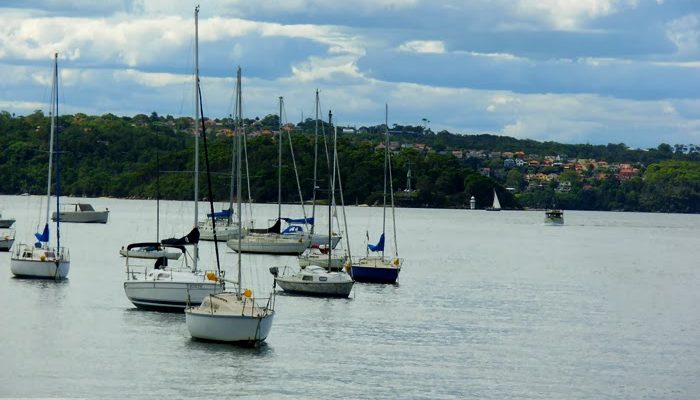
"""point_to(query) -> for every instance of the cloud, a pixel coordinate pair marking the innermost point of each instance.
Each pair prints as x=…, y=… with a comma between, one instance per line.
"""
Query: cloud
x=423, y=46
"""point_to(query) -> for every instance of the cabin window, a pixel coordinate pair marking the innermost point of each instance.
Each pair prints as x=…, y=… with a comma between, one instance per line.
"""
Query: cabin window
x=322, y=278
x=307, y=278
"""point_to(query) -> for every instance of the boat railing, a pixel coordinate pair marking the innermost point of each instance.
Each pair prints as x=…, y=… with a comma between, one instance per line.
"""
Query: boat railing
x=42, y=253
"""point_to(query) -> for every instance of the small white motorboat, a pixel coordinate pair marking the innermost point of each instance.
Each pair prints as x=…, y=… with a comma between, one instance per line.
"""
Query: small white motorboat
x=81, y=213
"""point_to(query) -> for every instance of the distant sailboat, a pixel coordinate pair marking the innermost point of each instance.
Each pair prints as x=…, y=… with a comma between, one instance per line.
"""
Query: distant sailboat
x=496, y=206
x=40, y=260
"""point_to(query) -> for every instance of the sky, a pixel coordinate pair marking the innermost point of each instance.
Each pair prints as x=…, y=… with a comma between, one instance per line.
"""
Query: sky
x=571, y=71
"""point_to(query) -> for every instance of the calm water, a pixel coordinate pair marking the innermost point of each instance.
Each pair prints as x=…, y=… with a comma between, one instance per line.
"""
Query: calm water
x=490, y=305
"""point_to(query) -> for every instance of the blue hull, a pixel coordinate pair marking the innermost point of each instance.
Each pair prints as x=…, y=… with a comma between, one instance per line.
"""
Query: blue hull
x=374, y=274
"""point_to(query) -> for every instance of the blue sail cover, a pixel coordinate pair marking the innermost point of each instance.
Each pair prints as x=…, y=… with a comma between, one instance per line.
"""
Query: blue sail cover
x=44, y=236
x=309, y=221
x=221, y=214
x=379, y=246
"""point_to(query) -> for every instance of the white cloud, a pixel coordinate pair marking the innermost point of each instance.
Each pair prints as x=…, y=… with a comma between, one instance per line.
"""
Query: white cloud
x=685, y=34
x=423, y=46
x=569, y=14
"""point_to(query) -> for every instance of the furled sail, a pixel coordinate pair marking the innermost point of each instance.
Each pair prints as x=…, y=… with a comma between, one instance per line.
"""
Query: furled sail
x=190, y=238
x=379, y=246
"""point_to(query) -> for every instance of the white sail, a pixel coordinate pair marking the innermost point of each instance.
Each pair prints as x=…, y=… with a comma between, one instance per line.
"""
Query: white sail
x=496, y=203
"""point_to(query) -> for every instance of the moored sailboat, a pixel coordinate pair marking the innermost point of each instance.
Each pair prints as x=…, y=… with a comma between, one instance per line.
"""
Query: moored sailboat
x=168, y=288
x=41, y=260
x=378, y=267
x=234, y=317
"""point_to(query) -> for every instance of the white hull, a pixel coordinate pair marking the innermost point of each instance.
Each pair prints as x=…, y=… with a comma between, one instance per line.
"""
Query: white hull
x=315, y=281
x=554, y=221
x=226, y=317
x=152, y=254
x=31, y=262
x=270, y=244
x=223, y=233
x=318, y=240
x=99, y=217
x=336, y=264
x=170, y=290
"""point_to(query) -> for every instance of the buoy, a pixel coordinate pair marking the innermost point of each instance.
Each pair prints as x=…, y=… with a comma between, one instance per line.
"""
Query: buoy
x=396, y=262
x=248, y=293
x=42, y=257
x=212, y=276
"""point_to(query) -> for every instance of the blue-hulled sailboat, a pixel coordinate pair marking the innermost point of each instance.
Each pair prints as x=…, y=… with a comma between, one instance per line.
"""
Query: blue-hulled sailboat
x=378, y=267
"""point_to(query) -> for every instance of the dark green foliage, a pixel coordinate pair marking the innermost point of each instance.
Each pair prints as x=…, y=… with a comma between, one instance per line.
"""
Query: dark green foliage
x=116, y=156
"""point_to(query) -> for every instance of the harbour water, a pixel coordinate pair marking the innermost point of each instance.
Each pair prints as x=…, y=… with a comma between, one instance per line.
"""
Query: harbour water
x=490, y=305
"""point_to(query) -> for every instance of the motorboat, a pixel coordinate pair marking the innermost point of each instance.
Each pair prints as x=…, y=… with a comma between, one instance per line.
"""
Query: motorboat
x=554, y=216
x=81, y=213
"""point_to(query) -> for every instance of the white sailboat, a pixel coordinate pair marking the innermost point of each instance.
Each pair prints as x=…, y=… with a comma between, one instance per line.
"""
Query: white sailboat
x=272, y=240
x=234, y=317
x=378, y=268
x=317, y=253
x=172, y=288
x=496, y=206
x=41, y=260
x=315, y=280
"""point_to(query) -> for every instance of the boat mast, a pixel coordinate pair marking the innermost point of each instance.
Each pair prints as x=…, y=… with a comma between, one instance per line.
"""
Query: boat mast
x=52, y=113
x=233, y=165
x=58, y=169
x=313, y=200
x=386, y=159
x=279, y=166
x=196, y=129
x=331, y=176
x=239, y=131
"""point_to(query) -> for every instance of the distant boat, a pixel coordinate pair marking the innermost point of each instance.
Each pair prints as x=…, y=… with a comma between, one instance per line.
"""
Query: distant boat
x=496, y=206
x=6, y=240
x=81, y=213
x=39, y=260
x=149, y=251
x=554, y=216
x=6, y=222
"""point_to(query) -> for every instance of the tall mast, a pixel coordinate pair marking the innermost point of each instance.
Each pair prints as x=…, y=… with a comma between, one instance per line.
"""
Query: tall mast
x=52, y=113
x=279, y=166
x=196, y=128
x=386, y=161
x=331, y=187
x=239, y=131
x=233, y=166
x=157, y=188
x=313, y=199
x=58, y=169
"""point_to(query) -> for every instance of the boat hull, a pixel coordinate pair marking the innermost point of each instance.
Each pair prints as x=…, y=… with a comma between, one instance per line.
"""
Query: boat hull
x=87, y=217
x=376, y=269
x=554, y=221
x=6, y=223
x=261, y=245
x=6, y=244
x=374, y=274
x=336, y=263
x=240, y=329
x=168, y=295
x=46, y=269
x=222, y=233
x=322, y=289
x=152, y=255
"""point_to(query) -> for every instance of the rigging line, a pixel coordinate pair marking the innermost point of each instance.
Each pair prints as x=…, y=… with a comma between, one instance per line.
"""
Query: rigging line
x=296, y=175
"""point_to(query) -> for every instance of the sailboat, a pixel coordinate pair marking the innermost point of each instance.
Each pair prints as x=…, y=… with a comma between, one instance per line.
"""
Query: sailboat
x=317, y=253
x=226, y=227
x=496, y=206
x=41, y=260
x=234, y=317
x=151, y=250
x=273, y=240
x=378, y=268
x=316, y=280
x=172, y=288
